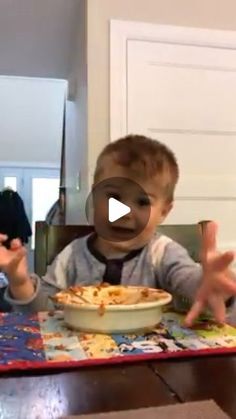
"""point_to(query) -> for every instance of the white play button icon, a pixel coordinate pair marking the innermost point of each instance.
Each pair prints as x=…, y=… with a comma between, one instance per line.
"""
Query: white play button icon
x=105, y=213
x=116, y=210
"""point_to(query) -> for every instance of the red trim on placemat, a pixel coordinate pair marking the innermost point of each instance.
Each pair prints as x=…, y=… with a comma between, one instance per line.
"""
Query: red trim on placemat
x=35, y=365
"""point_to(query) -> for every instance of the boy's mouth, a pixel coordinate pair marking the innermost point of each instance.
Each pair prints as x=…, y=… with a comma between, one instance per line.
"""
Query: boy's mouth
x=122, y=232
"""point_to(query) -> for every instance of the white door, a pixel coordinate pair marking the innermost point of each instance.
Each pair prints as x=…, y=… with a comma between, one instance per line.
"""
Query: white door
x=185, y=96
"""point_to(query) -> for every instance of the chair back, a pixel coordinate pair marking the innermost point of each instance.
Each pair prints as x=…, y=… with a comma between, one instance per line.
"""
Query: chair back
x=188, y=235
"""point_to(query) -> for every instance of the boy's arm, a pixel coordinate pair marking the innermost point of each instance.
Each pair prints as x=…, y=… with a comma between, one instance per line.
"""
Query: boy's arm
x=56, y=278
x=181, y=276
x=178, y=273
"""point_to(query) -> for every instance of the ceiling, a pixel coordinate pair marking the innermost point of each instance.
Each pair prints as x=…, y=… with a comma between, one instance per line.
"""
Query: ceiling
x=38, y=37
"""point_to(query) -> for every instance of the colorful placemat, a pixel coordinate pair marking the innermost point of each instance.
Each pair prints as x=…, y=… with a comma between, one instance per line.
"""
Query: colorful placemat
x=44, y=341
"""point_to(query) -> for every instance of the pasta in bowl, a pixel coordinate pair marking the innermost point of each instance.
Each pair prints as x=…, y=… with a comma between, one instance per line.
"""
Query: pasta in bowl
x=112, y=309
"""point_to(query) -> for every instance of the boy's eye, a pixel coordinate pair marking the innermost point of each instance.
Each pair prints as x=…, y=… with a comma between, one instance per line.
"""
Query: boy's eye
x=114, y=195
x=143, y=202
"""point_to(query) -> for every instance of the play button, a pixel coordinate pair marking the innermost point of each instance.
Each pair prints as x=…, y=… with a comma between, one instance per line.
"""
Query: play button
x=116, y=210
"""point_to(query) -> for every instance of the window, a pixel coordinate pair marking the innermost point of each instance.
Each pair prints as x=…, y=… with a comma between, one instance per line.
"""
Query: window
x=10, y=182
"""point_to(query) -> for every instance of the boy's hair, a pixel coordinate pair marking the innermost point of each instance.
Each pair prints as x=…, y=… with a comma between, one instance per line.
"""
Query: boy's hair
x=144, y=157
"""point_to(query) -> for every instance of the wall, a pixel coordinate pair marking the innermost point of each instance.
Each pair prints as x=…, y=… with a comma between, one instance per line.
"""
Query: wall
x=37, y=37
x=31, y=120
x=90, y=73
x=76, y=123
x=203, y=13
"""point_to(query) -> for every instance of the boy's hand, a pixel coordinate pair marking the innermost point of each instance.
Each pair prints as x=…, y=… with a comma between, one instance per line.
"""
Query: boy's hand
x=14, y=264
x=217, y=283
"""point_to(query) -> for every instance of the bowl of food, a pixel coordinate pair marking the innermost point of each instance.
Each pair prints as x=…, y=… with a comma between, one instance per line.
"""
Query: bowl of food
x=112, y=309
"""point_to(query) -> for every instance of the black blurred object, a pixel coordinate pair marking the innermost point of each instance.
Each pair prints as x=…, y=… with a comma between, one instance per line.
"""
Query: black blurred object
x=13, y=218
x=4, y=305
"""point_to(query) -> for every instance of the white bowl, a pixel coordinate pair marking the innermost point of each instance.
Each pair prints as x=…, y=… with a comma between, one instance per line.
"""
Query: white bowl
x=115, y=318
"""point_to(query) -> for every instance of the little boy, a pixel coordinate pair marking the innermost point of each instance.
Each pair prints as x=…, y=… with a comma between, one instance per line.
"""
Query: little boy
x=126, y=253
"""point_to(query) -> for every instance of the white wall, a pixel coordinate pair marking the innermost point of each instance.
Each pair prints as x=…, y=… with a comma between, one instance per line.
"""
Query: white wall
x=31, y=116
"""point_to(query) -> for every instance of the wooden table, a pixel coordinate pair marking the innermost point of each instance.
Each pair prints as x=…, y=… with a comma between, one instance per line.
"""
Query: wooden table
x=201, y=379
x=88, y=390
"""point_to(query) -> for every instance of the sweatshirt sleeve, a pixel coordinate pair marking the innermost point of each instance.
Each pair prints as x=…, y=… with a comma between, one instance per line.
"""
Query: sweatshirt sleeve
x=179, y=274
x=58, y=277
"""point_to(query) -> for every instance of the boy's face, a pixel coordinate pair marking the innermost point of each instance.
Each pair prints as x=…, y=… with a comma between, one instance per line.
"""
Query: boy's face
x=148, y=207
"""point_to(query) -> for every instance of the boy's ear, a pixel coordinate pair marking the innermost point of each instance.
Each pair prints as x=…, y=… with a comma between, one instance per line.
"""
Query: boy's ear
x=167, y=207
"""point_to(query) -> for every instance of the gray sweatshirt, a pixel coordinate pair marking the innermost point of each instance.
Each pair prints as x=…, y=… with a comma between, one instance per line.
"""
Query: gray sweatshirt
x=162, y=263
